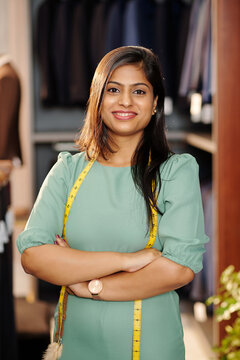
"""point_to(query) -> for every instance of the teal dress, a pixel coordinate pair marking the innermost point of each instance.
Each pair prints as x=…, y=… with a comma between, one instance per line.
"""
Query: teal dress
x=108, y=214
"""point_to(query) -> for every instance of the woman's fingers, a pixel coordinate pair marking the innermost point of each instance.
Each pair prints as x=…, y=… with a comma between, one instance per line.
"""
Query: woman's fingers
x=155, y=253
x=74, y=289
x=60, y=241
x=136, y=261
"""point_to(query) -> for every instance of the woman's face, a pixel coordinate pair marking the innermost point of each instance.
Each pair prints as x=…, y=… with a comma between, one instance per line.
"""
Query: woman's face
x=128, y=102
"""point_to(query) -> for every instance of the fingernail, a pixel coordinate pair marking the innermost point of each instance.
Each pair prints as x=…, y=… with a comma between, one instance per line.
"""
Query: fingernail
x=58, y=237
x=55, y=243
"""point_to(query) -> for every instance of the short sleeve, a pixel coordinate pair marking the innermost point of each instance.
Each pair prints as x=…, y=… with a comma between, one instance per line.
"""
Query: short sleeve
x=46, y=218
x=181, y=229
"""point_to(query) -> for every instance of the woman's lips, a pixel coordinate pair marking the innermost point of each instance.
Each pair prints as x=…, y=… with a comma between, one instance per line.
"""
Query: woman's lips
x=124, y=115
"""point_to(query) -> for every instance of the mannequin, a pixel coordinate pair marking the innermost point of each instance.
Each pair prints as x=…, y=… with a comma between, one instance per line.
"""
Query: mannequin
x=10, y=93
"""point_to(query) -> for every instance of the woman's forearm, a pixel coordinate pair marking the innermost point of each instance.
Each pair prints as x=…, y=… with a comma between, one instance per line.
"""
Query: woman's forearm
x=159, y=277
x=65, y=266
x=62, y=265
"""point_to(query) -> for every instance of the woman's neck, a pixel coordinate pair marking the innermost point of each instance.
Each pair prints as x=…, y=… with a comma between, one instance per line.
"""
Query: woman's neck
x=124, y=150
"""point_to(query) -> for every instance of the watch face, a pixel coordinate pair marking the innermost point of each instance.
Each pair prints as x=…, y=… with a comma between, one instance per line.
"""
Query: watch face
x=95, y=286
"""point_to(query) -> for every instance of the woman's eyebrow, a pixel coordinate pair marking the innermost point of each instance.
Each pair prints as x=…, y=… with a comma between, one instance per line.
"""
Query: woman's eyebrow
x=135, y=84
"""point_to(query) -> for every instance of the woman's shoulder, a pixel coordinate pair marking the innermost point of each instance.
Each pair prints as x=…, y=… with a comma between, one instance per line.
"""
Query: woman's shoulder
x=69, y=160
x=178, y=163
x=68, y=165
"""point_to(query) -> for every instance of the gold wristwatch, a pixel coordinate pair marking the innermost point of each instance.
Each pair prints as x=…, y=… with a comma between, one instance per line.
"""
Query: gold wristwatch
x=95, y=287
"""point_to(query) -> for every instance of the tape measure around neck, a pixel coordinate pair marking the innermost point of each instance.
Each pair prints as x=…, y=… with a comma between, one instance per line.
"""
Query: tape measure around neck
x=137, y=303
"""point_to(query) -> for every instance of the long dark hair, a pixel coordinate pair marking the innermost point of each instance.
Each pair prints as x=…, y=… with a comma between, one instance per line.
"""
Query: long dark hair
x=94, y=137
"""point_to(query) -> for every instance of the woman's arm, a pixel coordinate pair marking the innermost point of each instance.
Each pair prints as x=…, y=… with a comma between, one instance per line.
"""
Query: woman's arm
x=61, y=265
x=160, y=276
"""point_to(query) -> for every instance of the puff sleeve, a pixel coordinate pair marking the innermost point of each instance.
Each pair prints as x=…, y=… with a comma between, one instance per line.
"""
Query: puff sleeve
x=46, y=218
x=181, y=229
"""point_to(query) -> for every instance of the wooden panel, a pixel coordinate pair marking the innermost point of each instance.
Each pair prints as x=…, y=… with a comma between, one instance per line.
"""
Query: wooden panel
x=227, y=127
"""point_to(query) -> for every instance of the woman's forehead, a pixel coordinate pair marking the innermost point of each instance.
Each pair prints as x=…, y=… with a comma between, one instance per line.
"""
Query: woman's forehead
x=129, y=73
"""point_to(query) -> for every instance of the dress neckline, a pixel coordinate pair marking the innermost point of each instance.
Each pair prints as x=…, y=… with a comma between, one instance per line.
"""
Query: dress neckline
x=112, y=167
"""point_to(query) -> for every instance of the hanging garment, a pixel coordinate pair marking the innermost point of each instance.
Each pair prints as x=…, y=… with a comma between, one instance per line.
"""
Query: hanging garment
x=98, y=32
x=10, y=94
x=145, y=16
x=80, y=74
x=114, y=23
x=170, y=22
x=207, y=61
x=63, y=52
x=130, y=24
x=200, y=44
x=196, y=72
x=43, y=37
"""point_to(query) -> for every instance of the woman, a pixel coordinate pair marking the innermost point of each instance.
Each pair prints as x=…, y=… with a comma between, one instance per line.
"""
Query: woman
x=108, y=226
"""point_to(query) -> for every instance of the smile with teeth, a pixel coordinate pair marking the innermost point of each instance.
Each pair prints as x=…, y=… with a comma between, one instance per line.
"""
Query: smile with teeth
x=124, y=115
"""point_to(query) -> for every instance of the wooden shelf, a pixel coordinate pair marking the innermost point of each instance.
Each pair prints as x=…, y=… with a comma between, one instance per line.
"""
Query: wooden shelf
x=201, y=141
x=52, y=137
x=176, y=135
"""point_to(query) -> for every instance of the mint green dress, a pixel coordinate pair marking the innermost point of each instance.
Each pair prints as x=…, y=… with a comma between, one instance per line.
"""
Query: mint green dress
x=108, y=214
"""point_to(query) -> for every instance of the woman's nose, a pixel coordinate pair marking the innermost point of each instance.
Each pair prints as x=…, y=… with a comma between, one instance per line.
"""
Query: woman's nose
x=125, y=99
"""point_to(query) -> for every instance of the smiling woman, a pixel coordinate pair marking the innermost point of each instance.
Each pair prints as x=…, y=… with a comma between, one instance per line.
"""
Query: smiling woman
x=123, y=193
x=128, y=104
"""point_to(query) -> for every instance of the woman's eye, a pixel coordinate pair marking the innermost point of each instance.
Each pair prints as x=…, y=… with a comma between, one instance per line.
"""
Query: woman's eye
x=112, y=90
x=139, y=92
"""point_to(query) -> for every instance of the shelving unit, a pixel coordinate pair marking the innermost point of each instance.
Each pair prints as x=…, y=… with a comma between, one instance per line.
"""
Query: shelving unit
x=201, y=141
x=51, y=137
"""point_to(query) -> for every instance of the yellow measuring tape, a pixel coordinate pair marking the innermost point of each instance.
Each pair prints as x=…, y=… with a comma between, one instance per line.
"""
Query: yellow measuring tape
x=137, y=303
x=70, y=200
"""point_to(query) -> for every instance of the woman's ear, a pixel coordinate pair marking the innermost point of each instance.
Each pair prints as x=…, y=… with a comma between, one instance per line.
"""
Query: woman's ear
x=155, y=102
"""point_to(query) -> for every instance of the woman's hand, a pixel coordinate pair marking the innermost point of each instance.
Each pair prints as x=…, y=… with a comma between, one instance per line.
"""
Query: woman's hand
x=80, y=289
x=61, y=242
x=138, y=260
